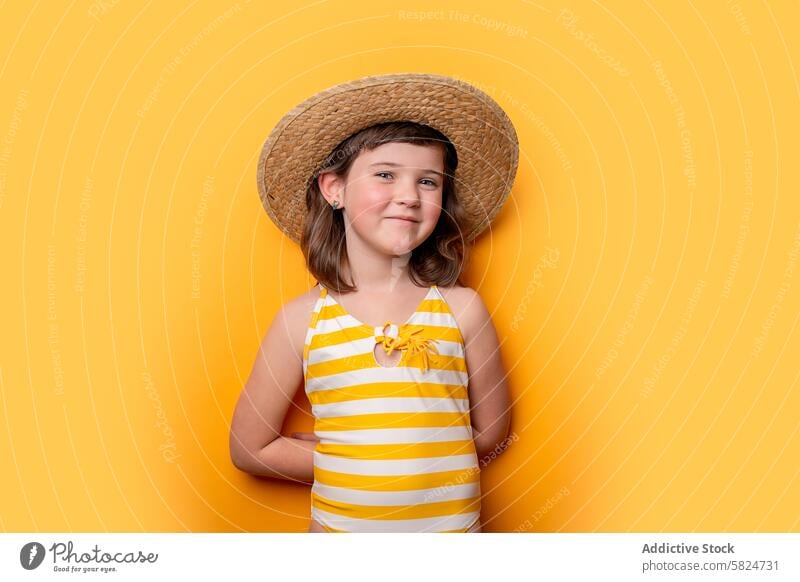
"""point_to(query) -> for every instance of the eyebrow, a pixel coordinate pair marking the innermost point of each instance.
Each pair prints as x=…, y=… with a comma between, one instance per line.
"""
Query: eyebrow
x=400, y=165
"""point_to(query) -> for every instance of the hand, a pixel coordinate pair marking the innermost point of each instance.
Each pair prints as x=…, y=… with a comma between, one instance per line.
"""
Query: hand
x=306, y=436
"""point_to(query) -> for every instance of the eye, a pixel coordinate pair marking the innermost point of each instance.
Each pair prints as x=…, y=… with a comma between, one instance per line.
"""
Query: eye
x=383, y=174
x=431, y=182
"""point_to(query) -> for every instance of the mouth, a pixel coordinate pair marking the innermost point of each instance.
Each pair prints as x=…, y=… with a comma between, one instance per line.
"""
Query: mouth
x=404, y=219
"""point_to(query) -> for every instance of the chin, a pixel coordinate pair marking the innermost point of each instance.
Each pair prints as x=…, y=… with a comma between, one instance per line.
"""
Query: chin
x=399, y=251
x=397, y=247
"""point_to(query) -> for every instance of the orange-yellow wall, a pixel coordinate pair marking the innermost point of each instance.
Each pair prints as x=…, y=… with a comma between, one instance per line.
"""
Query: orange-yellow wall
x=643, y=278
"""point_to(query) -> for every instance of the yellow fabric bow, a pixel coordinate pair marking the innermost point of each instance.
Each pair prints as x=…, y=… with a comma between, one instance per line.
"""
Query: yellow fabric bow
x=417, y=347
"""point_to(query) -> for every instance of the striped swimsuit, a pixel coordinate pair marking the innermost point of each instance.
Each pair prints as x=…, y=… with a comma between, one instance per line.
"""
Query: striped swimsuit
x=395, y=451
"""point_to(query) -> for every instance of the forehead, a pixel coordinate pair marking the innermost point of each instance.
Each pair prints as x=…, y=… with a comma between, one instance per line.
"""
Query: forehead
x=404, y=154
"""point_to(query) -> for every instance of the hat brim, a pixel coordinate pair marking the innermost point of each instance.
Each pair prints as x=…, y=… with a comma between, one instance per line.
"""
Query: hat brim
x=483, y=135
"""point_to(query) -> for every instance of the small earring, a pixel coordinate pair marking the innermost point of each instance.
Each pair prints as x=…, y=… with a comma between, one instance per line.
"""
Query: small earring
x=335, y=204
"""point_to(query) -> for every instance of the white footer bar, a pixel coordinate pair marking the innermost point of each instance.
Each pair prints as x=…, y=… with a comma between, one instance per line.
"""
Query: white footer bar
x=510, y=556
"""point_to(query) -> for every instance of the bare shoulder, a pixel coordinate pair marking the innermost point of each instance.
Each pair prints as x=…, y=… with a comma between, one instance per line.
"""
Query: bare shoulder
x=468, y=308
x=294, y=318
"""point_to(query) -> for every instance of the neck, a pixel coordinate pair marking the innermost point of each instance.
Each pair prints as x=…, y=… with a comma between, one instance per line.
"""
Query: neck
x=372, y=270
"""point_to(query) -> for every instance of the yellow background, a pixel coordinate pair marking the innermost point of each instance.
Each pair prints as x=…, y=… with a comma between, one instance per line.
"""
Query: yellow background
x=643, y=277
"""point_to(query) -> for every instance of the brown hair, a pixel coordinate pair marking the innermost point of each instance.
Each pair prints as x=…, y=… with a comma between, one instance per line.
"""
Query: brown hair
x=439, y=260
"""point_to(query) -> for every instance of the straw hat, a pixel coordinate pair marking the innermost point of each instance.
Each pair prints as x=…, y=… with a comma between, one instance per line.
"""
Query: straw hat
x=484, y=138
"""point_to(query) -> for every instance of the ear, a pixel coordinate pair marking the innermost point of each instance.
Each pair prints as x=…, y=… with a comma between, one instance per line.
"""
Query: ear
x=332, y=187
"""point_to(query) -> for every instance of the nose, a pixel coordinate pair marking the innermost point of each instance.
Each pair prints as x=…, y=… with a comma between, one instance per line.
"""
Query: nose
x=406, y=192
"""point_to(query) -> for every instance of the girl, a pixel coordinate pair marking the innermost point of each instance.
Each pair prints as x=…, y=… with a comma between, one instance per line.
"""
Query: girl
x=399, y=360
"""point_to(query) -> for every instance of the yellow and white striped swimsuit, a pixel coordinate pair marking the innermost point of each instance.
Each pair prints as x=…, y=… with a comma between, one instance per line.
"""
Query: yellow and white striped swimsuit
x=396, y=452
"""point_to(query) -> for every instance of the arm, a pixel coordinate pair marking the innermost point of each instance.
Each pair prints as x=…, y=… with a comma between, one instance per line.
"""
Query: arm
x=256, y=445
x=490, y=404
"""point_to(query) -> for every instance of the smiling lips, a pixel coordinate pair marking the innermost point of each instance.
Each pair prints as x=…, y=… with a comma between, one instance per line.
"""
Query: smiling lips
x=403, y=218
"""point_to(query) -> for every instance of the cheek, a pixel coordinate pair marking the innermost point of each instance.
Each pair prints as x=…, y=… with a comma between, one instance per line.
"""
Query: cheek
x=432, y=209
x=366, y=208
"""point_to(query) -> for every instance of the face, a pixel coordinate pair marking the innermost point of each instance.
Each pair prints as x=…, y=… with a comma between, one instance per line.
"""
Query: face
x=392, y=199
